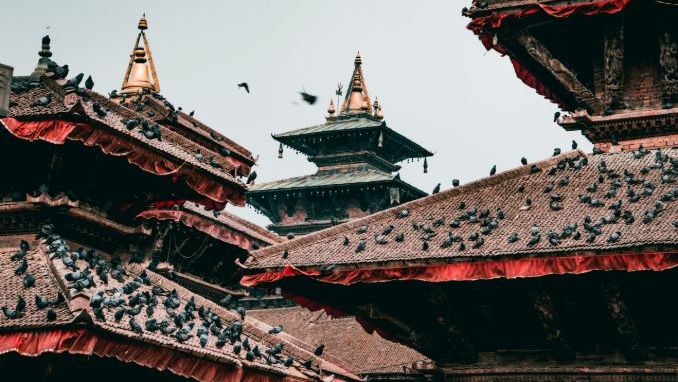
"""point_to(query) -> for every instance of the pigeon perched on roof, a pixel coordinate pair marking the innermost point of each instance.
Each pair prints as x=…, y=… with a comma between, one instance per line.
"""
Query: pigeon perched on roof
x=252, y=177
x=276, y=329
x=493, y=170
x=43, y=101
x=436, y=189
x=319, y=350
x=89, y=83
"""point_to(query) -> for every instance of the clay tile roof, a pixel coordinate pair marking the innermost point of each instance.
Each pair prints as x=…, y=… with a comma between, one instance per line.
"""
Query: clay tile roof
x=326, y=178
x=12, y=287
x=158, y=111
x=219, y=225
x=51, y=279
x=172, y=144
x=648, y=186
x=344, y=339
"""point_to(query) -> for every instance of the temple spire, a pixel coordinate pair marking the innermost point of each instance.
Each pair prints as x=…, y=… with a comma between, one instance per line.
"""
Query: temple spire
x=141, y=72
x=45, y=55
x=357, y=98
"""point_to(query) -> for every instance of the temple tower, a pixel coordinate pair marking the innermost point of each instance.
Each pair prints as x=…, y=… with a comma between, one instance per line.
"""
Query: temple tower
x=616, y=74
x=356, y=154
x=140, y=72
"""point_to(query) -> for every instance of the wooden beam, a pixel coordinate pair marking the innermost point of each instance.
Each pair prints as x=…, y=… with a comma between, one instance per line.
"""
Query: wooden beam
x=448, y=323
x=613, y=54
x=568, y=79
x=624, y=325
x=546, y=313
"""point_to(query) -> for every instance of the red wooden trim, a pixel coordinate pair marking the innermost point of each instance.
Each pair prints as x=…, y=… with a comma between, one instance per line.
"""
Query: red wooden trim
x=56, y=131
x=213, y=229
x=483, y=270
x=86, y=342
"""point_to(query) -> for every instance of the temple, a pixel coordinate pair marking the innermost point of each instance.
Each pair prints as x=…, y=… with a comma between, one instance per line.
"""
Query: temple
x=356, y=154
x=561, y=269
x=117, y=256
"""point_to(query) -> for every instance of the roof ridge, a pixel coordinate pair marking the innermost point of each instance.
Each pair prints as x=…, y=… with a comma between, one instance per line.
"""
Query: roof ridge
x=468, y=187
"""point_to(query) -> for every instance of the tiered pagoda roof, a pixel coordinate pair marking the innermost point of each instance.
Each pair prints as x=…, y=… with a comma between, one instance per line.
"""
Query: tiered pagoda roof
x=573, y=192
x=533, y=239
x=77, y=326
x=354, y=150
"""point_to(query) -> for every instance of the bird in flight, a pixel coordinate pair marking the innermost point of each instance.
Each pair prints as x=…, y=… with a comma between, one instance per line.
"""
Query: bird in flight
x=245, y=86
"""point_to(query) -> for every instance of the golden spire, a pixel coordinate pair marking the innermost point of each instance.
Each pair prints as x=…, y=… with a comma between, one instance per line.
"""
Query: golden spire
x=357, y=99
x=140, y=70
x=330, y=109
x=377, y=109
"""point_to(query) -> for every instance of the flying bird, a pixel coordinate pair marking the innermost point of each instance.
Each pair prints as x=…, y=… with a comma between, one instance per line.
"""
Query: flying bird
x=245, y=86
x=308, y=98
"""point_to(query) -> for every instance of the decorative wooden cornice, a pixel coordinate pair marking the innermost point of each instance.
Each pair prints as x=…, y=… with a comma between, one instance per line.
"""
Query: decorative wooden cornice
x=640, y=123
x=564, y=76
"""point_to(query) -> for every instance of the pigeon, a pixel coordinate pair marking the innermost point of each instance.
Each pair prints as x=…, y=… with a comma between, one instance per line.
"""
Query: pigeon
x=29, y=280
x=43, y=101
x=308, y=363
x=23, y=266
x=346, y=241
x=574, y=145
x=288, y=361
x=191, y=113
x=363, y=228
x=135, y=326
x=493, y=170
x=15, y=312
x=198, y=156
x=436, y=189
x=513, y=238
x=556, y=115
x=75, y=81
x=252, y=177
x=285, y=254
x=523, y=161
x=41, y=302
x=361, y=246
x=455, y=182
x=319, y=350
x=276, y=329
x=308, y=98
x=51, y=315
x=89, y=83
x=245, y=86
x=556, y=151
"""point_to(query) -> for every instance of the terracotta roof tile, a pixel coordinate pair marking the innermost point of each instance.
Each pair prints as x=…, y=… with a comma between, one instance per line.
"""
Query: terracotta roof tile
x=51, y=278
x=344, y=339
x=12, y=288
x=434, y=218
x=172, y=143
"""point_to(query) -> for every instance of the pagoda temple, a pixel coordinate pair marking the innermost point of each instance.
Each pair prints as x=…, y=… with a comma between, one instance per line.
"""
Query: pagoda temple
x=558, y=270
x=116, y=256
x=356, y=154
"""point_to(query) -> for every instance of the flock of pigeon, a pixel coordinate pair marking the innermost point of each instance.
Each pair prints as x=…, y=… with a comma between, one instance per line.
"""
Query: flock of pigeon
x=132, y=297
x=20, y=258
x=606, y=193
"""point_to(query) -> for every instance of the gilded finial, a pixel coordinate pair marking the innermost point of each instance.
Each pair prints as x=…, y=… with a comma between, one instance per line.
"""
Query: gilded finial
x=45, y=52
x=358, y=60
x=143, y=24
x=380, y=114
x=330, y=109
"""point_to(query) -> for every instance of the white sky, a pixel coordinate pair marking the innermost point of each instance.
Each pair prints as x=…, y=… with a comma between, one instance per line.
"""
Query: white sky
x=434, y=79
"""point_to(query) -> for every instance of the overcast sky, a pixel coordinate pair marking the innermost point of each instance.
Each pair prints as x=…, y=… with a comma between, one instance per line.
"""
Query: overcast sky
x=437, y=84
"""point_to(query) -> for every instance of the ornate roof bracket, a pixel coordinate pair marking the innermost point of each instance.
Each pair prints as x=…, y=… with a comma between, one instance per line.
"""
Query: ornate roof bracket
x=564, y=76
